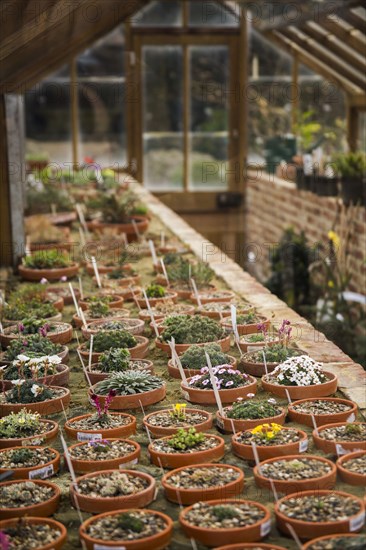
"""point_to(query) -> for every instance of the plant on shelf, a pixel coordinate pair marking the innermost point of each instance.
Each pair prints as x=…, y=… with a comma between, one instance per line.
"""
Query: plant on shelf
x=47, y=259
x=114, y=360
x=195, y=356
x=225, y=377
x=32, y=325
x=108, y=339
x=192, y=330
x=155, y=291
x=128, y=383
x=41, y=230
x=27, y=391
x=298, y=371
x=24, y=367
x=202, y=274
x=253, y=410
x=278, y=352
x=39, y=198
x=350, y=165
x=115, y=208
x=34, y=345
x=21, y=424
x=186, y=439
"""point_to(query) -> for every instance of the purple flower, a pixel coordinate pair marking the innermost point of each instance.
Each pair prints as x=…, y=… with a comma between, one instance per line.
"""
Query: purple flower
x=43, y=330
x=204, y=382
x=229, y=383
x=4, y=541
x=63, y=279
x=43, y=281
x=21, y=327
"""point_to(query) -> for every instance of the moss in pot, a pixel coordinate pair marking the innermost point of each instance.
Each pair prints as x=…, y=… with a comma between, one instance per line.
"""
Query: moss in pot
x=26, y=533
x=34, y=345
x=191, y=330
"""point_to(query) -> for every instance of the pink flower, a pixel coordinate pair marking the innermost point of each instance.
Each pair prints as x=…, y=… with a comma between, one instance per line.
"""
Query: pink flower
x=43, y=281
x=63, y=279
x=229, y=383
x=21, y=327
x=250, y=395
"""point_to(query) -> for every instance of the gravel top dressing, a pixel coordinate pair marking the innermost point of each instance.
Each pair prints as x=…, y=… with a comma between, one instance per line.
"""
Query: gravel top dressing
x=202, y=478
x=280, y=438
x=95, y=422
x=25, y=536
x=340, y=543
x=165, y=419
x=112, y=484
x=101, y=450
x=24, y=493
x=321, y=407
x=162, y=446
x=356, y=465
x=320, y=509
x=348, y=432
x=126, y=526
x=26, y=457
x=295, y=469
x=223, y=516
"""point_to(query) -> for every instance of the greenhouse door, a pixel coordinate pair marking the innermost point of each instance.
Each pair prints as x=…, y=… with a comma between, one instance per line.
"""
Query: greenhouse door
x=186, y=113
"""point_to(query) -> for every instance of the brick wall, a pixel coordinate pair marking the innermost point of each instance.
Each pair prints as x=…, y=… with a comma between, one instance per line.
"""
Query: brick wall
x=274, y=204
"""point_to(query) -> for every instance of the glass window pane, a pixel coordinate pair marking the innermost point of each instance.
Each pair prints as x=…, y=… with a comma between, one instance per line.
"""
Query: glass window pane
x=209, y=110
x=163, y=117
x=211, y=14
x=159, y=14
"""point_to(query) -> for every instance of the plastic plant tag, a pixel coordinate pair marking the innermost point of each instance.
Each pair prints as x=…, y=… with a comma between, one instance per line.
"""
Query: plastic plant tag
x=83, y=436
x=341, y=450
x=74, y=299
x=194, y=286
x=153, y=252
x=265, y=528
x=357, y=522
x=351, y=418
x=256, y=457
x=265, y=362
x=156, y=493
x=136, y=229
x=96, y=271
x=91, y=350
x=250, y=349
x=164, y=271
x=153, y=322
x=185, y=395
x=177, y=361
x=288, y=396
x=103, y=547
x=42, y=473
x=303, y=445
x=125, y=465
x=220, y=423
x=214, y=386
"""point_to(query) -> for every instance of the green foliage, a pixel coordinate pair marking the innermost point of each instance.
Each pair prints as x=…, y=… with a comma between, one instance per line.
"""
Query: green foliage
x=19, y=308
x=114, y=360
x=155, y=291
x=115, y=208
x=186, y=439
x=47, y=259
x=29, y=392
x=34, y=345
x=202, y=274
x=277, y=353
x=256, y=337
x=353, y=429
x=252, y=410
x=31, y=325
x=39, y=201
x=307, y=130
x=223, y=512
x=23, y=369
x=107, y=339
x=179, y=271
x=98, y=309
x=128, y=383
x=21, y=456
x=129, y=522
x=350, y=165
x=248, y=318
x=192, y=330
x=195, y=358
x=21, y=424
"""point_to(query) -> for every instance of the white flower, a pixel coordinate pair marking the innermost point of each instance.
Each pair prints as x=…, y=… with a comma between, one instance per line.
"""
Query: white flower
x=43, y=281
x=22, y=357
x=18, y=382
x=36, y=390
x=272, y=401
x=54, y=359
x=250, y=395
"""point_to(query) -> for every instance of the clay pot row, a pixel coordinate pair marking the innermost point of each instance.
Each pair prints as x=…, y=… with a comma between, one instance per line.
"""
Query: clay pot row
x=137, y=352
x=61, y=333
x=44, y=408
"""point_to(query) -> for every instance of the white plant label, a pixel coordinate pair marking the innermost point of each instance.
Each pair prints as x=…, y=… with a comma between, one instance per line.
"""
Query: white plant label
x=303, y=445
x=357, y=522
x=153, y=252
x=254, y=348
x=265, y=528
x=42, y=473
x=156, y=493
x=33, y=441
x=83, y=436
x=125, y=465
x=103, y=547
x=220, y=423
x=351, y=418
x=185, y=395
x=341, y=450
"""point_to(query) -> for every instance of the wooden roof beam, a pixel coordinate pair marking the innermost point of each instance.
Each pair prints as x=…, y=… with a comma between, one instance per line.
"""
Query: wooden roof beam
x=345, y=35
x=354, y=20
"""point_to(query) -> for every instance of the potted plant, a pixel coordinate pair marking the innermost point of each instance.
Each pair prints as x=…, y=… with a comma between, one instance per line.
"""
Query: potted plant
x=271, y=440
x=351, y=468
x=215, y=522
x=302, y=377
x=35, y=396
x=111, y=300
x=168, y=421
x=231, y=384
x=296, y=473
x=47, y=370
x=132, y=388
x=30, y=532
x=110, y=490
x=111, y=263
x=30, y=303
x=116, y=360
x=107, y=339
x=155, y=294
x=341, y=436
x=30, y=462
x=103, y=454
x=144, y=529
x=63, y=292
x=351, y=167
x=186, y=447
x=33, y=345
x=180, y=271
x=245, y=415
x=216, y=295
x=37, y=161
x=24, y=498
x=43, y=235
x=219, y=310
x=249, y=546
x=99, y=309
x=202, y=482
x=325, y=411
x=57, y=332
x=194, y=359
x=26, y=427
x=165, y=309
x=331, y=512
x=187, y=330
x=47, y=264
x=335, y=542
x=247, y=323
x=134, y=326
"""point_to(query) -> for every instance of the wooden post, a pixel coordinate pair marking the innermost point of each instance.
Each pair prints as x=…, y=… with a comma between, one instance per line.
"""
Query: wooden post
x=12, y=241
x=74, y=112
x=295, y=87
x=243, y=87
x=352, y=126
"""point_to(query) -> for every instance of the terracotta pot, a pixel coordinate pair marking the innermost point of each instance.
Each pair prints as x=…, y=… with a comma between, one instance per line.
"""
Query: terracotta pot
x=59, y=379
x=207, y=397
x=303, y=392
x=133, y=401
x=217, y=537
x=89, y=466
x=155, y=542
x=136, y=326
x=309, y=529
x=41, y=439
x=322, y=419
x=52, y=466
x=246, y=346
x=14, y=323
x=227, y=296
x=352, y=478
x=331, y=447
x=41, y=509
x=232, y=425
x=216, y=314
x=98, y=505
x=44, y=408
x=122, y=313
x=29, y=274
x=61, y=333
x=141, y=221
x=224, y=343
x=57, y=544
x=62, y=245
x=103, y=269
x=308, y=545
x=105, y=433
x=266, y=452
x=256, y=369
x=144, y=315
x=326, y=481
x=175, y=373
x=64, y=292
x=64, y=354
x=96, y=377
x=248, y=545
x=116, y=301
x=190, y=496
x=178, y=460
x=160, y=431
x=59, y=303
x=170, y=296
x=127, y=291
x=251, y=328
x=137, y=352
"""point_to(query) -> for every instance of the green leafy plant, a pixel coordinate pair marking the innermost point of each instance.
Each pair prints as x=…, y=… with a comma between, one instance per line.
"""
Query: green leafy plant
x=192, y=330
x=40, y=198
x=277, y=353
x=350, y=165
x=31, y=325
x=21, y=424
x=155, y=291
x=128, y=522
x=20, y=456
x=306, y=130
x=34, y=345
x=195, y=356
x=98, y=309
x=248, y=318
x=107, y=339
x=252, y=410
x=128, y=383
x=19, y=308
x=27, y=391
x=353, y=429
x=47, y=259
x=115, y=208
x=223, y=512
x=186, y=439
x=202, y=274
x=114, y=360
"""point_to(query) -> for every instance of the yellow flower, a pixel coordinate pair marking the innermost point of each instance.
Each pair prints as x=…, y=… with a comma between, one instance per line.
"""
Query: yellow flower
x=331, y=284
x=108, y=173
x=179, y=408
x=333, y=237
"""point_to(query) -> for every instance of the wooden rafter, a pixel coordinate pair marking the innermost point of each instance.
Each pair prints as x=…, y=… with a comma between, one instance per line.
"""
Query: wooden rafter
x=346, y=35
x=354, y=20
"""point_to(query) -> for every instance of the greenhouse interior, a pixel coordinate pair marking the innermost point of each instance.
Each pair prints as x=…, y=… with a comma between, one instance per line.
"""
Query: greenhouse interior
x=182, y=274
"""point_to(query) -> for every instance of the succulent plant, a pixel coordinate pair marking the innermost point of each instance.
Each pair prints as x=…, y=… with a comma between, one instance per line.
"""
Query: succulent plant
x=195, y=356
x=114, y=360
x=192, y=330
x=128, y=383
x=47, y=259
x=107, y=339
